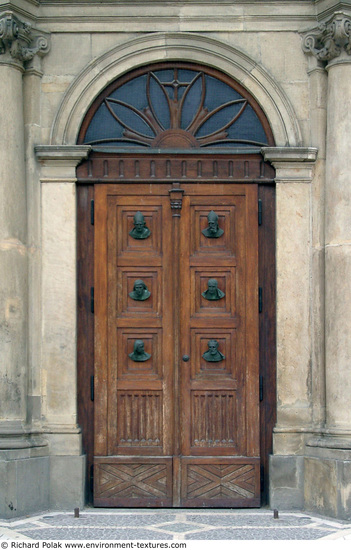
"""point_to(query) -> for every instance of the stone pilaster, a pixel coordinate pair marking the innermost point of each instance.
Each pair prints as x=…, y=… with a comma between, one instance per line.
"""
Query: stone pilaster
x=23, y=452
x=318, y=83
x=331, y=43
x=59, y=296
x=294, y=174
x=32, y=81
x=327, y=465
x=58, y=322
x=18, y=44
x=338, y=249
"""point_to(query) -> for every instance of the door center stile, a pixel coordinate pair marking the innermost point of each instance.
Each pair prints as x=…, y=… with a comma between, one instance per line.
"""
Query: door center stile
x=176, y=201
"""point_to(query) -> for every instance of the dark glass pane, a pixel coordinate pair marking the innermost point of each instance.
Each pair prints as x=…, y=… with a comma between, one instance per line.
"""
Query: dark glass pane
x=218, y=92
x=103, y=125
x=219, y=119
x=159, y=104
x=131, y=119
x=248, y=127
x=191, y=103
x=186, y=75
x=133, y=92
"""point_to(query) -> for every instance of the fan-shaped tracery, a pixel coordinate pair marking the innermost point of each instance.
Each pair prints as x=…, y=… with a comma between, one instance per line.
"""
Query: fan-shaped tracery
x=179, y=105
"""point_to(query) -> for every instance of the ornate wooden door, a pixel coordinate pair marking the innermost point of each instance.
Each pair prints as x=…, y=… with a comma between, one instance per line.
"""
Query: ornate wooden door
x=176, y=345
x=176, y=291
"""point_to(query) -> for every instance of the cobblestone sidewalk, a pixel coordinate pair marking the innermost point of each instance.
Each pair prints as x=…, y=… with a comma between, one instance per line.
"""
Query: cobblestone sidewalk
x=178, y=524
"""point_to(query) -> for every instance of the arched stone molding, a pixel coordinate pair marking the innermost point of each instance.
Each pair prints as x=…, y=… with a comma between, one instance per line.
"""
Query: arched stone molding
x=167, y=47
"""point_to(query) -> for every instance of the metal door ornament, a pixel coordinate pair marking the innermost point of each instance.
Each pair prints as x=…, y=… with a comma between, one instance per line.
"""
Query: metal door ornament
x=139, y=354
x=213, y=292
x=213, y=231
x=139, y=231
x=140, y=291
x=213, y=354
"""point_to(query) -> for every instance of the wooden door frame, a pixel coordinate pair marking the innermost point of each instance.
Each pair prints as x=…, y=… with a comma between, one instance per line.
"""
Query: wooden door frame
x=93, y=172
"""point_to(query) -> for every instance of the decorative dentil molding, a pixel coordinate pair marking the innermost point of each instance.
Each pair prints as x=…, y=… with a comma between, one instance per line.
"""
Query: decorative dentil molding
x=328, y=40
x=19, y=41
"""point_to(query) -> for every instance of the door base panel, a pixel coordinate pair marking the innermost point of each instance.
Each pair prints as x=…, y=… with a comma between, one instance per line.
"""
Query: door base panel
x=126, y=481
x=220, y=482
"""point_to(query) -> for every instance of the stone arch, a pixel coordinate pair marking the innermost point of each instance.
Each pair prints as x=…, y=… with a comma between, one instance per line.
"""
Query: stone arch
x=171, y=47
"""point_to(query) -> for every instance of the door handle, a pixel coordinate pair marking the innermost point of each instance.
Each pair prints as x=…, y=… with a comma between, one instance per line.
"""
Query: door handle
x=186, y=358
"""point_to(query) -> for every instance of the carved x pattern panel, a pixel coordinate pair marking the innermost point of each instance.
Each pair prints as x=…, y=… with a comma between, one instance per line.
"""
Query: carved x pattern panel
x=132, y=481
x=208, y=481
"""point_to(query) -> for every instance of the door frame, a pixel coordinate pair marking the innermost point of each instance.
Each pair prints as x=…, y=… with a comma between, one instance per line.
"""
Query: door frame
x=92, y=172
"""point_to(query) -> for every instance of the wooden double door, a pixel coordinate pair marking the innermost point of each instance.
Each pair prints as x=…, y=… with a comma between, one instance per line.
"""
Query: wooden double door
x=176, y=345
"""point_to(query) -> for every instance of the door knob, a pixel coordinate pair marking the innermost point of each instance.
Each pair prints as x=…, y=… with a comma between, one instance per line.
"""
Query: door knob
x=186, y=358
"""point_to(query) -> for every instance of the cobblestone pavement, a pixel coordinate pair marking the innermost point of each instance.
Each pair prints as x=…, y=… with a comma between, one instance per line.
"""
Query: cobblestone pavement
x=180, y=524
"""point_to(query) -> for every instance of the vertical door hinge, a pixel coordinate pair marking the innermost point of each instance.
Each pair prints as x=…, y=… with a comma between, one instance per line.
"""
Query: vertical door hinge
x=261, y=387
x=259, y=212
x=262, y=477
x=92, y=387
x=92, y=211
x=260, y=300
x=92, y=304
x=92, y=478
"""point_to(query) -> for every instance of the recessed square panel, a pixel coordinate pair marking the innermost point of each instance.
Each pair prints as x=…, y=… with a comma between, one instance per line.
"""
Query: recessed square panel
x=204, y=243
x=205, y=301
x=131, y=364
x=210, y=366
x=127, y=243
x=135, y=299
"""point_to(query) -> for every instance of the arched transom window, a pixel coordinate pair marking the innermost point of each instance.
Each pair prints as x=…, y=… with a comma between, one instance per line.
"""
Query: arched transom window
x=178, y=105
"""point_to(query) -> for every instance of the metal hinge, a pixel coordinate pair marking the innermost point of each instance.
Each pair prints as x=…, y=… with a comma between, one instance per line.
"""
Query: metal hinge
x=261, y=387
x=92, y=211
x=260, y=299
x=262, y=478
x=92, y=304
x=92, y=387
x=259, y=212
x=92, y=478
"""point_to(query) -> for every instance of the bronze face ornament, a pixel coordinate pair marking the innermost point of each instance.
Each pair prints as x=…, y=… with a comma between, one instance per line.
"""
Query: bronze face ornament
x=139, y=354
x=213, y=230
x=213, y=292
x=213, y=354
x=140, y=291
x=139, y=231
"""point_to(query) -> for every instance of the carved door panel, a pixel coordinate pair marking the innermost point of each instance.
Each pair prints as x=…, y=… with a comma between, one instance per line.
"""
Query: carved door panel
x=133, y=439
x=176, y=345
x=219, y=333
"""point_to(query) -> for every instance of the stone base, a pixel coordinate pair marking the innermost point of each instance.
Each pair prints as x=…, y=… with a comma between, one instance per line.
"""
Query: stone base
x=29, y=485
x=328, y=487
x=313, y=483
x=286, y=475
x=67, y=482
x=24, y=484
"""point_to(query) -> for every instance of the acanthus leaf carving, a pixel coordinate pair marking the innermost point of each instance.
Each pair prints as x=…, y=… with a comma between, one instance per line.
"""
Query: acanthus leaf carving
x=328, y=40
x=19, y=40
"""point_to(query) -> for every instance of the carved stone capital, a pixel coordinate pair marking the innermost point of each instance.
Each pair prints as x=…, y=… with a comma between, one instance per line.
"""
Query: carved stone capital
x=19, y=41
x=328, y=40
